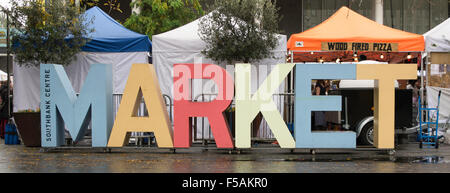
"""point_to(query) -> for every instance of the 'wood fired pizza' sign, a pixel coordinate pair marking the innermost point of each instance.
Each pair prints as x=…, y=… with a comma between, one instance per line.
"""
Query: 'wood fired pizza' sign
x=359, y=46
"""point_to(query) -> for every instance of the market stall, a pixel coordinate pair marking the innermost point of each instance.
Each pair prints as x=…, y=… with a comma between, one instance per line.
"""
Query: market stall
x=109, y=43
x=346, y=33
x=345, y=37
x=184, y=45
x=437, y=48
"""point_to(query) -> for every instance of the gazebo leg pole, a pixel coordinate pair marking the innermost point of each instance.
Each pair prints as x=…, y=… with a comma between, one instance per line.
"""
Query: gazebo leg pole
x=422, y=77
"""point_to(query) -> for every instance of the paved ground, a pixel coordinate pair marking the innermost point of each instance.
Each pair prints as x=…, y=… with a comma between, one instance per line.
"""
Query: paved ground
x=264, y=158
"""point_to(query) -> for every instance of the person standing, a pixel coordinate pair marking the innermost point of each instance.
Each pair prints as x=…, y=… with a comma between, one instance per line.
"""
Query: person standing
x=415, y=100
x=410, y=84
x=319, y=116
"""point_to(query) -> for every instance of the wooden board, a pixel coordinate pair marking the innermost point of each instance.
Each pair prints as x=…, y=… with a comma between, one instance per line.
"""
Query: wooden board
x=440, y=78
x=360, y=46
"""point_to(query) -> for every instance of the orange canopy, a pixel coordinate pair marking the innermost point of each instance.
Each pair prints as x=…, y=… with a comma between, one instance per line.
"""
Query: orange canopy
x=348, y=27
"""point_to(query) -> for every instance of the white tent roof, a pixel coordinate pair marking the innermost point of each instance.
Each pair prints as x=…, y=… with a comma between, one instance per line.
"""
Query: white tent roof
x=181, y=39
x=184, y=45
x=438, y=38
x=186, y=39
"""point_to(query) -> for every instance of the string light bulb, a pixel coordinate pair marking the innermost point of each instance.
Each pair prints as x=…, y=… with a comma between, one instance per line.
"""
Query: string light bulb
x=382, y=56
x=312, y=53
x=338, y=60
x=409, y=56
x=321, y=60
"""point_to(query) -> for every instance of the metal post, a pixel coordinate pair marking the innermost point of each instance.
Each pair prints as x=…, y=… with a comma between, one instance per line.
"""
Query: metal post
x=303, y=13
x=292, y=56
x=377, y=11
x=346, y=125
x=422, y=87
x=7, y=64
x=203, y=121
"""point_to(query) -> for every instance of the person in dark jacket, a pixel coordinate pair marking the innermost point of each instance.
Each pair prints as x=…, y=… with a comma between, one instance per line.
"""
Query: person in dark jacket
x=321, y=88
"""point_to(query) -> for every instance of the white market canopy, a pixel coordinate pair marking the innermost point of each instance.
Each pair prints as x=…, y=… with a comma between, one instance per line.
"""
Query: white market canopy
x=184, y=45
x=438, y=38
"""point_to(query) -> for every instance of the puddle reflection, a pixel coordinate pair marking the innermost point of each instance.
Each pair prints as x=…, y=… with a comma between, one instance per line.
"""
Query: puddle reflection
x=425, y=159
x=20, y=159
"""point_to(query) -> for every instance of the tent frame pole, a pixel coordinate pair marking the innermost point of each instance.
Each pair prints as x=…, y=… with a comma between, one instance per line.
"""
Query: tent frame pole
x=8, y=82
x=423, y=87
x=292, y=57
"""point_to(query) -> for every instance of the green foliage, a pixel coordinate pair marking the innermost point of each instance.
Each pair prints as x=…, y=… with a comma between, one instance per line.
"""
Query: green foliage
x=113, y=5
x=157, y=16
x=240, y=30
x=41, y=31
x=83, y=3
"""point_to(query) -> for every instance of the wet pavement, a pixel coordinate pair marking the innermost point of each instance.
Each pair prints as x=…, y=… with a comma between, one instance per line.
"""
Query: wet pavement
x=262, y=159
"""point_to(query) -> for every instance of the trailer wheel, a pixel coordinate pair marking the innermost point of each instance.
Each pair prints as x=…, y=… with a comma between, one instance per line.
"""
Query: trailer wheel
x=366, y=136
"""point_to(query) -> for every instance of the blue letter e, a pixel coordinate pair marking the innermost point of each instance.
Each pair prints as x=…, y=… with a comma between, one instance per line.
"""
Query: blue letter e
x=305, y=104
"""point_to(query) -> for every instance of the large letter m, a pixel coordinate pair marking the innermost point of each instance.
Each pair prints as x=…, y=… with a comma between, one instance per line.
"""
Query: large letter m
x=61, y=108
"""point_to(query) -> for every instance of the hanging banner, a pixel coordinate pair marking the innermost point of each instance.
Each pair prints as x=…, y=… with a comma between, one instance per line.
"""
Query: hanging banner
x=359, y=46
